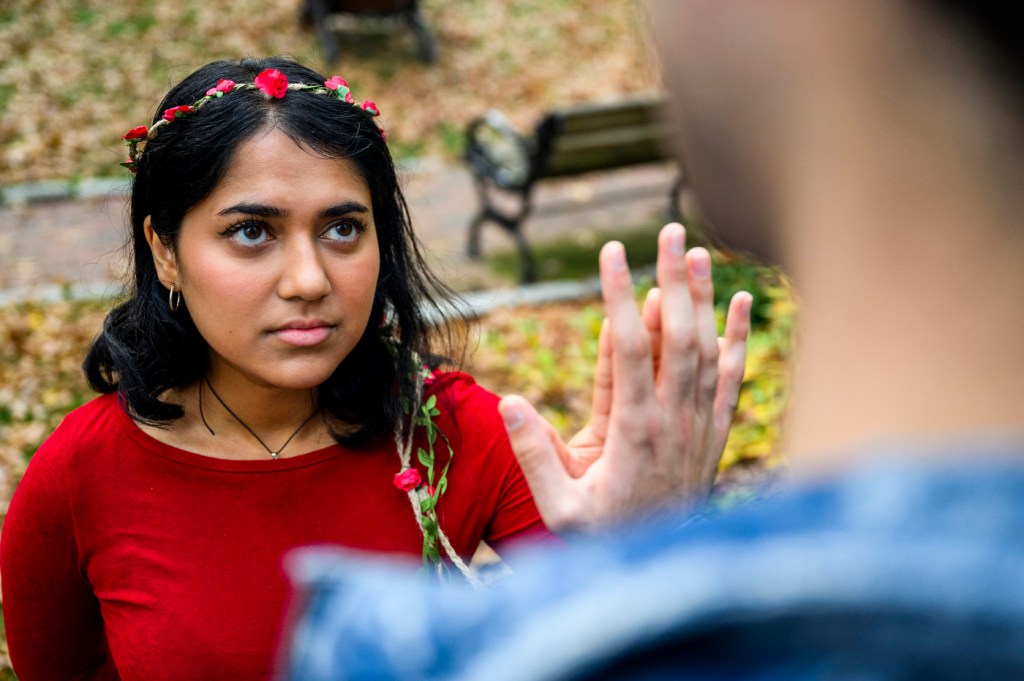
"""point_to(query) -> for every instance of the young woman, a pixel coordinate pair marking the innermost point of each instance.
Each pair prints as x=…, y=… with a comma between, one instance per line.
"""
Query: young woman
x=268, y=384
x=254, y=386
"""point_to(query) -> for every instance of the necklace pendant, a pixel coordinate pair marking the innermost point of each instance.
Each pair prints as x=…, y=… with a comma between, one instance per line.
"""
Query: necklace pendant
x=273, y=455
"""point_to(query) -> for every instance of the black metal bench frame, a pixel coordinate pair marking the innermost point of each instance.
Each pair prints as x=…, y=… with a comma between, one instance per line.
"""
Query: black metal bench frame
x=318, y=13
x=569, y=141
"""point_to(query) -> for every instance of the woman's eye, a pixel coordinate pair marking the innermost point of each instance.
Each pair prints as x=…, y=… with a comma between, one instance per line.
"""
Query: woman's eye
x=343, y=231
x=250, y=234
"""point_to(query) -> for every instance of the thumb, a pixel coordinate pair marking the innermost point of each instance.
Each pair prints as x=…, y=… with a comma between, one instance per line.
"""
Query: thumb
x=538, y=449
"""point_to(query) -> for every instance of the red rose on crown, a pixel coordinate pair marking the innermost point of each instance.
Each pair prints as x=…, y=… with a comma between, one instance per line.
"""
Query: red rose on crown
x=335, y=82
x=223, y=87
x=175, y=111
x=408, y=479
x=137, y=133
x=339, y=85
x=272, y=83
x=370, y=107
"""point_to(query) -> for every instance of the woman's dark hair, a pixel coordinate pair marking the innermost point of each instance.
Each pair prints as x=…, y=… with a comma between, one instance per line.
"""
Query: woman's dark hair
x=146, y=349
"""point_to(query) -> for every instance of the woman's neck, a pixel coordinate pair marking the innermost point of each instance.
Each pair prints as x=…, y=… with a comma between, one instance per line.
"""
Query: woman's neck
x=231, y=419
x=227, y=397
x=254, y=418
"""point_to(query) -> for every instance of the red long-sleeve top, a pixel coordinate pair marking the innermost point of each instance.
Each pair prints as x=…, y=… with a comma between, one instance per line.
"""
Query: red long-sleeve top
x=125, y=558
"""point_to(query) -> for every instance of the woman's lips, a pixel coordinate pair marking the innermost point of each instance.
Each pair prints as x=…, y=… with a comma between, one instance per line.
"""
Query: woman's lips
x=305, y=337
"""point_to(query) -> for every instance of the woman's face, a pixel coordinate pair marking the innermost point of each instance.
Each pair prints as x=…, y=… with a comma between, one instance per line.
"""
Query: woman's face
x=278, y=265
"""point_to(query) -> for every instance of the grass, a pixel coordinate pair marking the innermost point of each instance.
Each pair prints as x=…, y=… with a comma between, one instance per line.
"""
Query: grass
x=576, y=257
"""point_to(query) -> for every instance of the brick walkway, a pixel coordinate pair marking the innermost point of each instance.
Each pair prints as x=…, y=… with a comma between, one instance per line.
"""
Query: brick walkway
x=80, y=242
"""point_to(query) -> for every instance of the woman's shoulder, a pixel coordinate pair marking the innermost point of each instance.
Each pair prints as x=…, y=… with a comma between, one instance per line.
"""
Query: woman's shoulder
x=455, y=385
x=467, y=413
x=45, y=482
x=98, y=419
x=96, y=414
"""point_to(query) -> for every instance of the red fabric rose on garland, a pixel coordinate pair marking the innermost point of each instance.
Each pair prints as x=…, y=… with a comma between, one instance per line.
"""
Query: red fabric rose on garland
x=272, y=83
x=335, y=82
x=176, y=111
x=408, y=479
x=137, y=133
x=223, y=87
x=339, y=86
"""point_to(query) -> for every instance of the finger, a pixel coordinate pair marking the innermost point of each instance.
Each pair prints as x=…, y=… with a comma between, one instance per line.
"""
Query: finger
x=731, y=365
x=583, y=451
x=679, y=357
x=601, y=402
x=652, y=320
x=541, y=457
x=702, y=293
x=632, y=373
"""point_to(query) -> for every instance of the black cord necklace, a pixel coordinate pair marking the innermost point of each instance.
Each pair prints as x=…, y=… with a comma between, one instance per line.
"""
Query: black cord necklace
x=273, y=454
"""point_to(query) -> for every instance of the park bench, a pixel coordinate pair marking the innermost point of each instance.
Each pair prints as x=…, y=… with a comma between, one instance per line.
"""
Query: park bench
x=319, y=14
x=567, y=141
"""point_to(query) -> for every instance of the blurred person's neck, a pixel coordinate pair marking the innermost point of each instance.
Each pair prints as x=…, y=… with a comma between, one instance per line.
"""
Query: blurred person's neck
x=896, y=206
x=906, y=244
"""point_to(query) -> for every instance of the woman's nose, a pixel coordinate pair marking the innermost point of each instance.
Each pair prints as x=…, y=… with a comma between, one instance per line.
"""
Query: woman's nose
x=303, y=275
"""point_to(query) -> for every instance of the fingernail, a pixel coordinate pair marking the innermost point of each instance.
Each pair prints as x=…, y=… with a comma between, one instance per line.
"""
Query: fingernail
x=677, y=242
x=617, y=258
x=746, y=302
x=701, y=264
x=513, y=419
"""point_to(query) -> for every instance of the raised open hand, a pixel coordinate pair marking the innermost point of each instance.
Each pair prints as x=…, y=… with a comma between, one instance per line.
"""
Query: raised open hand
x=665, y=391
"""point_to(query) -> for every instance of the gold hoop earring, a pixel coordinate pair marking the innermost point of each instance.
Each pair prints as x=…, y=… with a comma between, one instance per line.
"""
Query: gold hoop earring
x=174, y=298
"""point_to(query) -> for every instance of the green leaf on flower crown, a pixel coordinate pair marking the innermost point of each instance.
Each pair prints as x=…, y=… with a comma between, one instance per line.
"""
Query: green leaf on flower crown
x=430, y=551
x=431, y=402
x=442, y=485
x=427, y=504
x=435, y=412
x=425, y=458
x=431, y=435
x=430, y=526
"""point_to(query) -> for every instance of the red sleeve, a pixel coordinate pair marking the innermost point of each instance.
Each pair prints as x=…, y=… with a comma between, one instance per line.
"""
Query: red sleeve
x=53, y=622
x=517, y=517
x=480, y=430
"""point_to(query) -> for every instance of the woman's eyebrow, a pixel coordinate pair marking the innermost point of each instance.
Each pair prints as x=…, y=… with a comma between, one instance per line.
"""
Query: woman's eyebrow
x=267, y=211
x=260, y=209
x=343, y=208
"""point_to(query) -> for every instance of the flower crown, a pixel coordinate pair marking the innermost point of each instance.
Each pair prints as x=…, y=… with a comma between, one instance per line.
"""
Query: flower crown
x=270, y=82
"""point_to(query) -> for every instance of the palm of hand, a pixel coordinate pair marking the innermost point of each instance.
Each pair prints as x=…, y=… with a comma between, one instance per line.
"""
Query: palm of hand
x=665, y=390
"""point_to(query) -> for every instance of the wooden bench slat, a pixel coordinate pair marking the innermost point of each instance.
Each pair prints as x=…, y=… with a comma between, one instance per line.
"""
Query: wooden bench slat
x=595, y=117
x=607, y=149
